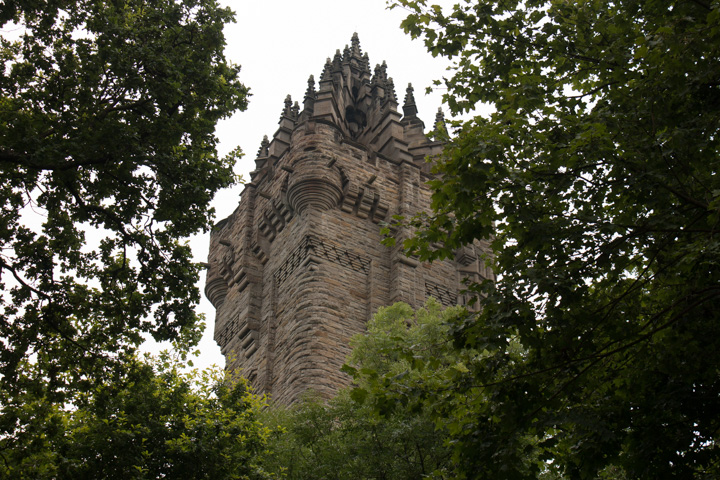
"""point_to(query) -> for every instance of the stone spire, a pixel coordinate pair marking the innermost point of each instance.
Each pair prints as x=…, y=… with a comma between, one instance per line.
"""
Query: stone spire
x=355, y=56
x=364, y=106
x=439, y=127
x=327, y=71
x=262, y=157
x=310, y=91
x=439, y=119
x=391, y=95
x=409, y=106
x=263, y=151
x=309, y=100
x=366, y=64
x=290, y=111
x=337, y=62
x=355, y=42
x=380, y=76
x=287, y=109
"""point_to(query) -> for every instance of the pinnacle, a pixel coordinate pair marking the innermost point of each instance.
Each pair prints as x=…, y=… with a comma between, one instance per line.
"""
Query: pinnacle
x=337, y=61
x=288, y=109
x=327, y=70
x=409, y=96
x=439, y=123
x=409, y=107
x=380, y=76
x=392, y=97
x=288, y=104
x=263, y=151
x=366, y=63
x=309, y=100
x=311, y=86
x=355, y=42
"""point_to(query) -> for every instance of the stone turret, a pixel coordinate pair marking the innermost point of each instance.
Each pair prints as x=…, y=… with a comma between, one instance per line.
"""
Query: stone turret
x=298, y=268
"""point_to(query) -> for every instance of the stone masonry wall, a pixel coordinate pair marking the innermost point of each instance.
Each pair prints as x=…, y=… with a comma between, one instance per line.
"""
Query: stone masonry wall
x=298, y=268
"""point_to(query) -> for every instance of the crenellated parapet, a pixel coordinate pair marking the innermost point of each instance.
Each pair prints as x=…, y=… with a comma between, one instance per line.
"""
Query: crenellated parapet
x=299, y=267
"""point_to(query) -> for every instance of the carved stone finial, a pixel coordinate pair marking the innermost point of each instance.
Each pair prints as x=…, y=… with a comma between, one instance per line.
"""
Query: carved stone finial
x=381, y=73
x=439, y=126
x=309, y=100
x=287, y=110
x=391, y=96
x=295, y=111
x=409, y=95
x=355, y=41
x=327, y=71
x=337, y=62
x=366, y=63
x=264, y=147
x=375, y=80
x=380, y=77
x=346, y=54
x=262, y=157
x=409, y=106
x=310, y=92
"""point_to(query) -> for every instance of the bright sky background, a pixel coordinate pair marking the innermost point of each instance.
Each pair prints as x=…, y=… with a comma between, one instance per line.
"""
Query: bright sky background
x=279, y=44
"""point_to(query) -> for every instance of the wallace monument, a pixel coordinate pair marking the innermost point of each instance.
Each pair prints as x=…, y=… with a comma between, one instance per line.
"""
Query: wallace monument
x=298, y=268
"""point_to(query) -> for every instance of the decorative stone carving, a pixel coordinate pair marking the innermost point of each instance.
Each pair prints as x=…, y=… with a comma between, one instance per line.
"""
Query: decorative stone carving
x=313, y=185
x=216, y=290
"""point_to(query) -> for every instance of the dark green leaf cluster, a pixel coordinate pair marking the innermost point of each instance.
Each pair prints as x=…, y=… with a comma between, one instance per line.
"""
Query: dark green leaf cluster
x=107, y=161
x=596, y=182
x=346, y=438
x=151, y=422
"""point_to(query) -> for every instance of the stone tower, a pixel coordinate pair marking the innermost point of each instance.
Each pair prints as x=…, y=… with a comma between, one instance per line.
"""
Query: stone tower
x=298, y=268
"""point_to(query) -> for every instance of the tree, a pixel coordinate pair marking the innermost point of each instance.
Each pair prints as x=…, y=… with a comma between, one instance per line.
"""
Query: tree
x=596, y=181
x=107, y=160
x=153, y=422
x=345, y=438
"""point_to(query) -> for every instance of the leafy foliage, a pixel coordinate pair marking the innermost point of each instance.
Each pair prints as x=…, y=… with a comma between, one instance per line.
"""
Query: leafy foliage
x=345, y=438
x=596, y=181
x=107, y=160
x=151, y=422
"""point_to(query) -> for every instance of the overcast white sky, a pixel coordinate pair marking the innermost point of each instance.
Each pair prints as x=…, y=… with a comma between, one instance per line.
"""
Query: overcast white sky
x=279, y=43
